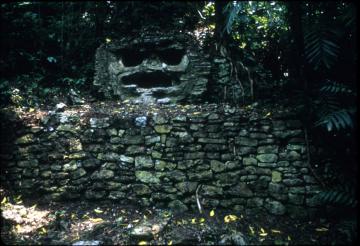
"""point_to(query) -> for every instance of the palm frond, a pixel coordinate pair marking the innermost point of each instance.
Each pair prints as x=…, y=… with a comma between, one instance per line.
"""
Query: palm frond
x=341, y=196
x=321, y=47
x=335, y=87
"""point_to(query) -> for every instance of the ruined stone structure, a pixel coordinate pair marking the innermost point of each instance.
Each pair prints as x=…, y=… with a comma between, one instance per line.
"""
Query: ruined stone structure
x=243, y=159
x=154, y=66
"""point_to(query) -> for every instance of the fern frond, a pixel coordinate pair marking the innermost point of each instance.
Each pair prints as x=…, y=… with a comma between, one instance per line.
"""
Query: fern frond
x=232, y=9
x=340, y=119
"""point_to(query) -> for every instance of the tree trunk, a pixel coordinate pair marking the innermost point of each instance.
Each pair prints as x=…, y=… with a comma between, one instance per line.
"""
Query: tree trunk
x=297, y=39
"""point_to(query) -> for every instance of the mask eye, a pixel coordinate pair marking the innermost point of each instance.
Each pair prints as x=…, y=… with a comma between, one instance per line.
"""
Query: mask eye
x=171, y=56
x=131, y=58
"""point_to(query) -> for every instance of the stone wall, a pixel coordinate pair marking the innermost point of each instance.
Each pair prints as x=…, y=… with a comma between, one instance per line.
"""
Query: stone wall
x=245, y=159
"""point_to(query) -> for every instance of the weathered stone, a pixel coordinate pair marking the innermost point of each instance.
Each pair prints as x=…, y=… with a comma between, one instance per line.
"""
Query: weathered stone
x=246, y=150
x=293, y=156
x=163, y=129
x=205, y=175
x=115, y=140
x=268, y=149
x=276, y=176
x=94, y=194
x=296, y=199
x=192, y=156
x=275, y=207
x=75, y=145
x=99, y=122
x=128, y=139
x=177, y=206
x=246, y=141
x=103, y=174
x=297, y=190
x=116, y=195
x=143, y=162
x=112, y=132
x=152, y=139
x=26, y=139
x=240, y=190
x=212, y=140
x=141, y=189
x=46, y=174
x=78, y=173
x=110, y=156
x=91, y=163
x=293, y=182
x=217, y=166
x=135, y=149
x=211, y=191
x=68, y=128
x=249, y=161
x=29, y=163
x=77, y=156
x=186, y=187
x=147, y=177
x=267, y=157
x=255, y=202
x=126, y=159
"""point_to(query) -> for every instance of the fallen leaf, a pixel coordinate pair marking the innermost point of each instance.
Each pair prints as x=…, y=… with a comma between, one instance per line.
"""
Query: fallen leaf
x=212, y=213
x=322, y=229
x=263, y=234
x=4, y=200
x=96, y=220
x=252, y=230
x=230, y=218
x=136, y=221
x=98, y=211
x=275, y=231
x=142, y=243
x=31, y=110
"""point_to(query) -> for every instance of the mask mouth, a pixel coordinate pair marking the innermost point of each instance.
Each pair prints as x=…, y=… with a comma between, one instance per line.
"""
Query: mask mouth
x=147, y=80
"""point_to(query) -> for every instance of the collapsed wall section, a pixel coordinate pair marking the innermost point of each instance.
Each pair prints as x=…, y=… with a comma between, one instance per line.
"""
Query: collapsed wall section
x=243, y=158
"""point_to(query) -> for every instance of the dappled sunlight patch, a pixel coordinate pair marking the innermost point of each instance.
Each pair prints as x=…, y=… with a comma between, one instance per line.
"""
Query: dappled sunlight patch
x=24, y=220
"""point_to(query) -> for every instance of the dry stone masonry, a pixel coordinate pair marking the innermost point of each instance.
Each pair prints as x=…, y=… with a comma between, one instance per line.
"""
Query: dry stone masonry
x=243, y=159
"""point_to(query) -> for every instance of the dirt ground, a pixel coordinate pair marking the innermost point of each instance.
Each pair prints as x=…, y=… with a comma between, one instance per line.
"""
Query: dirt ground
x=30, y=222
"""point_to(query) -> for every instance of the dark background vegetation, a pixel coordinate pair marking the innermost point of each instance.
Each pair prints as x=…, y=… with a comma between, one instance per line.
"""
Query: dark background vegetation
x=304, y=51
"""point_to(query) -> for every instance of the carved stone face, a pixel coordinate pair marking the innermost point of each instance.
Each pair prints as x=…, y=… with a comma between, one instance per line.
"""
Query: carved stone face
x=154, y=67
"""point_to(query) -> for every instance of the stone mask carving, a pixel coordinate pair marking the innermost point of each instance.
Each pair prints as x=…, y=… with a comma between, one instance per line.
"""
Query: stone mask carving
x=154, y=67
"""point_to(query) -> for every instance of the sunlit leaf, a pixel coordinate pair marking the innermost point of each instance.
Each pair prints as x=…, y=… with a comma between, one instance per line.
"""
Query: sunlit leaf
x=98, y=211
x=18, y=227
x=263, y=232
x=4, y=200
x=212, y=213
x=142, y=243
x=275, y=231
x=170, y=242
x=252, y=231
x=230, y=218
x=193, y=220
x=136, y=221
x=96, y=220
x=321, y=229
x=202, y=220
x=288, y=238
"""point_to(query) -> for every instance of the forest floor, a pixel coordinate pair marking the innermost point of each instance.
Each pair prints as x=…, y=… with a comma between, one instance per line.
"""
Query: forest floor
x=32, y=222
